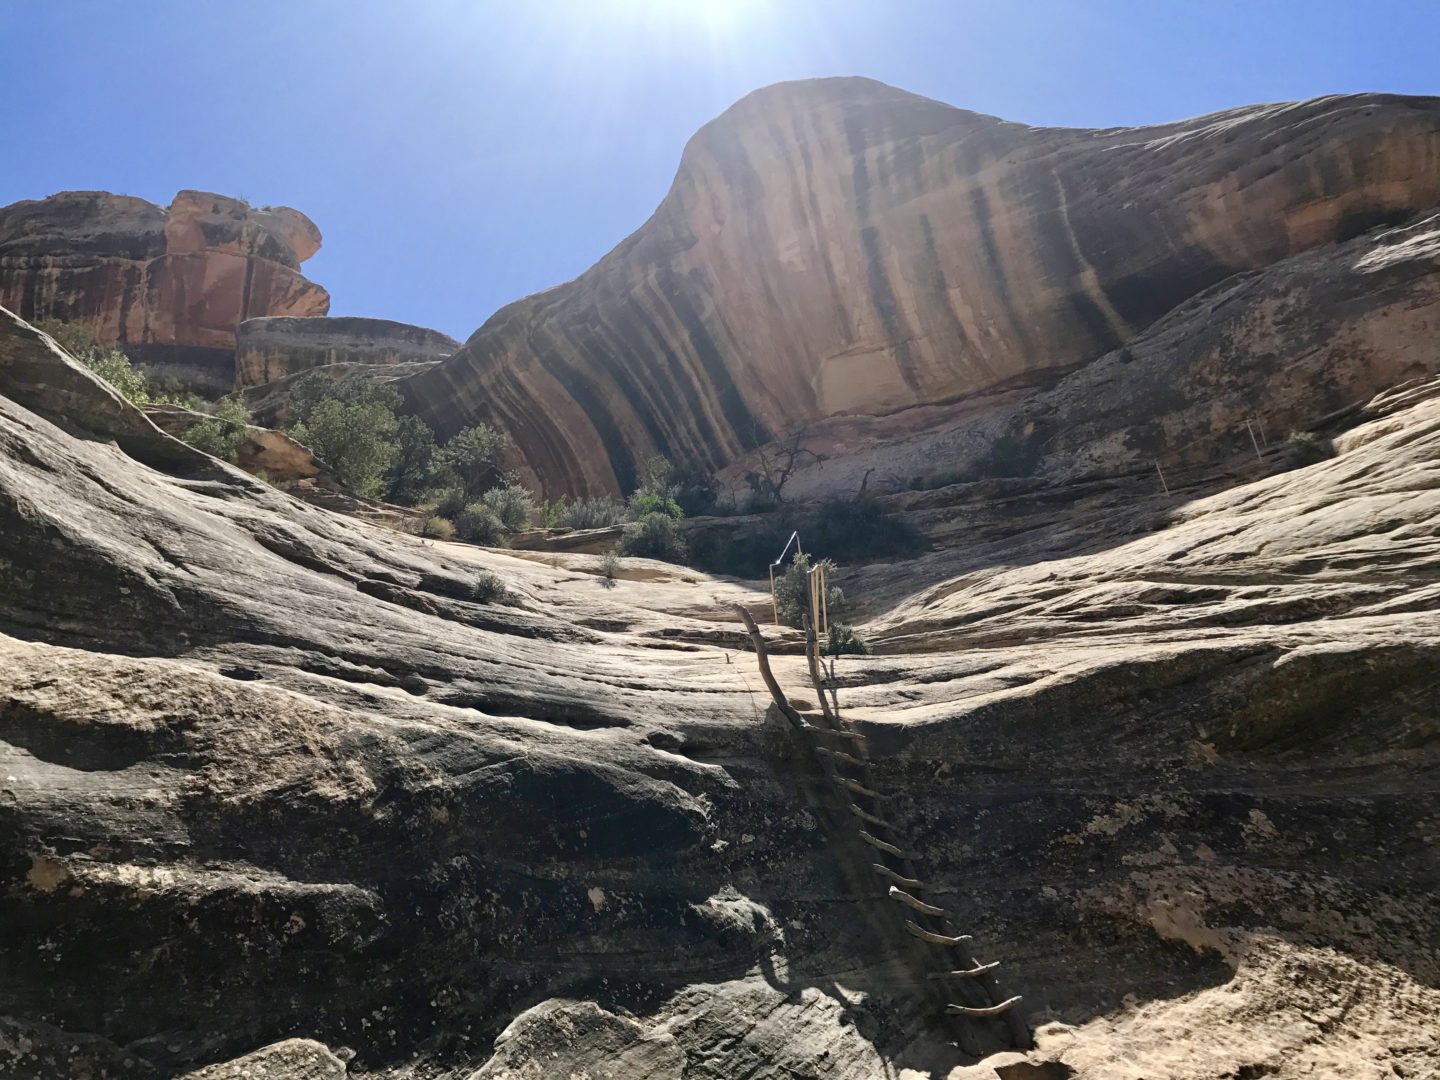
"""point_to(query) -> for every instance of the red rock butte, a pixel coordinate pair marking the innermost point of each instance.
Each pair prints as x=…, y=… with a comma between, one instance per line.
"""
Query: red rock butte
x=170, y=283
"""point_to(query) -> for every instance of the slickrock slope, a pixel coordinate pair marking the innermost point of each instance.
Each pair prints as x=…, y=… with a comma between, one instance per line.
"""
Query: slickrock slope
x=841, y=247
x=266, y=772
x=272, y=348
x=170, y=283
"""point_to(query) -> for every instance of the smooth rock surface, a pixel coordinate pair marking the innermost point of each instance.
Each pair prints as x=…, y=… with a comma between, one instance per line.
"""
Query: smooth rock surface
x=266, y=771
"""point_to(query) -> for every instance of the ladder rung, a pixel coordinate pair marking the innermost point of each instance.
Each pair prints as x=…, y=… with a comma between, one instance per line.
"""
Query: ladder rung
x=840, y=755
x=964, y=973
x=866, y=816
x=888, y=848
x=919, y=905
x=899, y=879
x=988, y=1010
x=933, y=938
x=858, y=789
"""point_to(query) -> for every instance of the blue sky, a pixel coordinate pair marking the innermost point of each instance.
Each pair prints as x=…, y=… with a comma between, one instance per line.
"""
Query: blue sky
x=459, y=154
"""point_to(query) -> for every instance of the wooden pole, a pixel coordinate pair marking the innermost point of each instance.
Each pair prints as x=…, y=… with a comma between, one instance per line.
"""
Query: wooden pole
x=1253, y=442
x=1161, y=471
x=762, y=658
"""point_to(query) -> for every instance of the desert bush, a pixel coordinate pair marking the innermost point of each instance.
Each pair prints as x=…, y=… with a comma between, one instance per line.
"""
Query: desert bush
x=513, y=506
x=654, y=536
x=655, y=492
x=487, y=588
x=1308, y=448
x=792, y=603
x=438, y=528
x=476, y=456
x=106, y=361
x=644, y=503
x=478, y=524
x=593, y=512
x=355, y=439
x=610, y=568
x=842, y=640
x=222, y=434
x=414, y=467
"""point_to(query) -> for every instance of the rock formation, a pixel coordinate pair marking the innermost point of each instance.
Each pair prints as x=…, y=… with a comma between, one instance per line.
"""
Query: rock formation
x=1282, y=348
x=271, y=348
x=170, y=284
x=841, y=247
x=270, y=774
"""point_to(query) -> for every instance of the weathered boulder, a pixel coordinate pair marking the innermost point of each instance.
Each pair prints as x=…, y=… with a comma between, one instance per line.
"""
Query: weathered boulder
x=841, y=247
x=169, y=283
x=271, y=348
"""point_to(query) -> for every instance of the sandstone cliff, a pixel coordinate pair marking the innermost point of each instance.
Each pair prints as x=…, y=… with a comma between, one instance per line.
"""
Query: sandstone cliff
x=842, y=247
x=169, y=283
x=272, y=348
x=268, y=772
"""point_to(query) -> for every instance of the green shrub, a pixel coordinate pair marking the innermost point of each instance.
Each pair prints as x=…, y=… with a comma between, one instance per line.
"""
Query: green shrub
x=593, y=512
x=476, y=456
x=610, y=568
x=1308, y=448
x=478, y=524
x=792, y=591
x=315, y=388
x=438, y=528
x=513, y=506
x=108, y=362
x=488, y=589
x=654, y=536
x=354, y=438
x=842, y=640
x=222, y=434
x=414, y=467
x=449, y=502
x=644, y=503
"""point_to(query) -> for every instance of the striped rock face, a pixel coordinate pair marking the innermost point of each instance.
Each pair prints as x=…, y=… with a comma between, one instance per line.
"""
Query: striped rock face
x=839, y=247
x=171, y=284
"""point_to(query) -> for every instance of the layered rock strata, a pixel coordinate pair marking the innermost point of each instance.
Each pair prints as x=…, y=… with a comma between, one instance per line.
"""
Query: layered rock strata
x=841, y=247
x=170, y=284
x=272, y=348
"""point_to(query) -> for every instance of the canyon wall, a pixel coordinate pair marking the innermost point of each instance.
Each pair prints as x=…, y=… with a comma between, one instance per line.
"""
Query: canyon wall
x=840, y=247
x=272, y=348
x=170, y=284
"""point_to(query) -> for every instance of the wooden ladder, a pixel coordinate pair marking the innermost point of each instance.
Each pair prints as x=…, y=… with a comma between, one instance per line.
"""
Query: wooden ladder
x=966, y=987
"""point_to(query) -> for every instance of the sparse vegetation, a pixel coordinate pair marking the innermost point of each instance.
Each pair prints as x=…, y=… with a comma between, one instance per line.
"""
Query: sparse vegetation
x=610, y=568
x=654, y=536
x=513, y=506
x=1308, y=448
x=222, y=434
x=592, y=512
x=842, y=640
x=478, y=524
x=792, y=603
x=489, y=589
x=111, y=364
x=475, y=455
x=775, y=465
x=438, y=528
